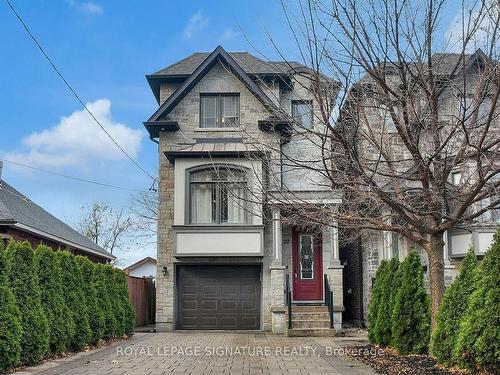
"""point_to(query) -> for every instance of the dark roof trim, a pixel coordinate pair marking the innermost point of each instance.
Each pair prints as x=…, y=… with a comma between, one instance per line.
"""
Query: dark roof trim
x=140, y=263
x=219, y=54
x=52, y=237
x=275, y=124
x=172, y=155
x=154, y=127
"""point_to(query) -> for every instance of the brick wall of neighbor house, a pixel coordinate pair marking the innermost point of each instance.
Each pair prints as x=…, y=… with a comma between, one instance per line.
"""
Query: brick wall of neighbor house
x=8, y=233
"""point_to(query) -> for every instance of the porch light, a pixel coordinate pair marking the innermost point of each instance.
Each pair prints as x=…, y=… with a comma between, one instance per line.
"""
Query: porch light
x=164, y=271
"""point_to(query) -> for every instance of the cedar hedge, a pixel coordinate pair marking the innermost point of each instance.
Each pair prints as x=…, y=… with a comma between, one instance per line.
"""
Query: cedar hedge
x=53, y=301
x=114, y=297
x=390, y=285
x=478, y=343
x=104, y=301
x=399, y=310
x=122, y=288
x=453, y=308
x=74, y=296
x=468, y=323
x=59, y=316
x=373, y=307
x=10, y=321
x=22, y=274
x=96, y=315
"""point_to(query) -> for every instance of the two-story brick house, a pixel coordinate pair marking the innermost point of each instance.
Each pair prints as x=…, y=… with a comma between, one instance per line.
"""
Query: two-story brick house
x=222, y=249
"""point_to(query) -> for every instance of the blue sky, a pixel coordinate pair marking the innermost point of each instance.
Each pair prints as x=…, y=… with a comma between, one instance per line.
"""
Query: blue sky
x=104, y=49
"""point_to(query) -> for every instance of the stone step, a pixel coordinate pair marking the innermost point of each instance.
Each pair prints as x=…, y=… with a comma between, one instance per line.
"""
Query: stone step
x=312, y=323
x=311, y=332
x=310, y=315
x=309, y=308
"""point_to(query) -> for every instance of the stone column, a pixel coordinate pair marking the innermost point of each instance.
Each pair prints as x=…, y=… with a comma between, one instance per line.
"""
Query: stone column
x=277, y=277
x=335, y=270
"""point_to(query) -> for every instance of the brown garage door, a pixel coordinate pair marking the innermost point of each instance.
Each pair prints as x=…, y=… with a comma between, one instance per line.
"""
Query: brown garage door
x=218, y=297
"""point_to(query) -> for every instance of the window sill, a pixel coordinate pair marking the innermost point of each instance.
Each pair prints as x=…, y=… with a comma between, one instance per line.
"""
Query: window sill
x=217, y=227
x=218, y=129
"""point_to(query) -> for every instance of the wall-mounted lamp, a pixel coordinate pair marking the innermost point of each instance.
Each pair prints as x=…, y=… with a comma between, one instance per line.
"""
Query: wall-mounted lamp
x=164, y=271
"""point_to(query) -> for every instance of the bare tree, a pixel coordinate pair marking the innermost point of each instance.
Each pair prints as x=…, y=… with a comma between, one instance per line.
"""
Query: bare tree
x=411, y=118
x=144, y=208
x=106, y=227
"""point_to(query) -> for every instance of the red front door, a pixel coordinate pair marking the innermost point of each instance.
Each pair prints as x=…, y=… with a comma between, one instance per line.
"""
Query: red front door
x=307, y=267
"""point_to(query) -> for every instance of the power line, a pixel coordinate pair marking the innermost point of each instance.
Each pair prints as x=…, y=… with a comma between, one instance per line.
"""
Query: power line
x=71, y=177
x=74, y=92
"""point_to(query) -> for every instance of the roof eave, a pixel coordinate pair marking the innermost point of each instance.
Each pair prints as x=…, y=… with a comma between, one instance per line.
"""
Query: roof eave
x=172, y=155
x=155, y=127
x=55, y=238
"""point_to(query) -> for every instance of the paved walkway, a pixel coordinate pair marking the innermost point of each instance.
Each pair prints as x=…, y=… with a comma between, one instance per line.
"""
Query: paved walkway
x=212, y=353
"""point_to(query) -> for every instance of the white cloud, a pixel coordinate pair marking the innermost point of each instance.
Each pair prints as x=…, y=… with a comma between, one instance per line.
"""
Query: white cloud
x=228, y=34
x=88, y=7
x=78, y=140
x=195, y=24
x=479, y=22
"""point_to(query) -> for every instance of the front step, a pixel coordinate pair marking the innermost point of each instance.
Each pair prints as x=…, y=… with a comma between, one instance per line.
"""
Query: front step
x=311, y=332
x=311, y=321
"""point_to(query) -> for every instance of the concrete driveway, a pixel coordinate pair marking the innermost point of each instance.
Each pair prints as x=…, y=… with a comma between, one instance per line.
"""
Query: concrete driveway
x=212, y=353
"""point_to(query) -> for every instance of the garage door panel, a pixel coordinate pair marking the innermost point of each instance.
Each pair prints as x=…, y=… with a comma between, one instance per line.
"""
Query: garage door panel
x=218, y=297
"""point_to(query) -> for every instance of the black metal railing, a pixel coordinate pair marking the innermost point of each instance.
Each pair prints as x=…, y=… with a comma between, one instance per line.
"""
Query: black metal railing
x=288, y=300
x=329, y=300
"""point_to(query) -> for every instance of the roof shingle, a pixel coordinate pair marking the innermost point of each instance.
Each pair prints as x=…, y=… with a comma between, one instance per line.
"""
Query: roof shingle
x=15, y=208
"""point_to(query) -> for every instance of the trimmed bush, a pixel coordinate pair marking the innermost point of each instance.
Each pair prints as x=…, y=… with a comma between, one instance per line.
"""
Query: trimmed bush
x=10, y=322
x=75, y=299
x=128, y=308
x=59, y=316
x=376, y=296
x=115, y=299
x=104, y=301
x=453, y=308
x=389, y=288
x=478, y=344
x=96, y=315
x=411, y=316
x=23, y=279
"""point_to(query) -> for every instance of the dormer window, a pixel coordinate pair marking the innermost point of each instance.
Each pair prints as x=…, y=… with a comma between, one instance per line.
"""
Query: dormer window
x=219, y=110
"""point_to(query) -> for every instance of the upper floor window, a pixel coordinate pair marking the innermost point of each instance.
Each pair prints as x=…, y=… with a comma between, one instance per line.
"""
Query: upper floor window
x=302, y=113
x=219, y=110
x=456, y=178
x=218, y=196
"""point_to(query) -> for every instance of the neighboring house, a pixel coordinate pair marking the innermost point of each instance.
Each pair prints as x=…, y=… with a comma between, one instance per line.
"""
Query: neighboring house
x=145, y=267
x=23, y=220
x=228, y=245
x=376, y=246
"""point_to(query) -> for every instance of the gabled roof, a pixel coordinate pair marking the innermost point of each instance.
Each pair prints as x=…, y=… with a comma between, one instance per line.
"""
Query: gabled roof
x=248, y=62
x=140, y=263
x=18, y=211
x=218, y=55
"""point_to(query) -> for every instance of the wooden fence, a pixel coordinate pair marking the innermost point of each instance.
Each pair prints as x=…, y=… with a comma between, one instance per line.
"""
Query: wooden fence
x=142, y=293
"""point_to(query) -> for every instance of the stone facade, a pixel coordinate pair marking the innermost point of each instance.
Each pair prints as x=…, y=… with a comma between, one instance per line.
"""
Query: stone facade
x=219, y=79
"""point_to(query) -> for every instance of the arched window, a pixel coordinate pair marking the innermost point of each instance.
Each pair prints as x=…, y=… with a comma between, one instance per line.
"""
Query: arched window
x=217, y=195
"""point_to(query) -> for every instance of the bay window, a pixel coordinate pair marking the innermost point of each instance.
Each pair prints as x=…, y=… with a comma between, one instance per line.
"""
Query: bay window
x=217, y=196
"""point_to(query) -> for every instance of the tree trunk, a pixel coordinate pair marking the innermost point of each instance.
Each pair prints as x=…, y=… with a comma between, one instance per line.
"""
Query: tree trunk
x=436, y=273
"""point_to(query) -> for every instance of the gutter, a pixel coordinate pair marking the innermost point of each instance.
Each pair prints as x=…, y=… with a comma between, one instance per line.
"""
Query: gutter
x=48, y=236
